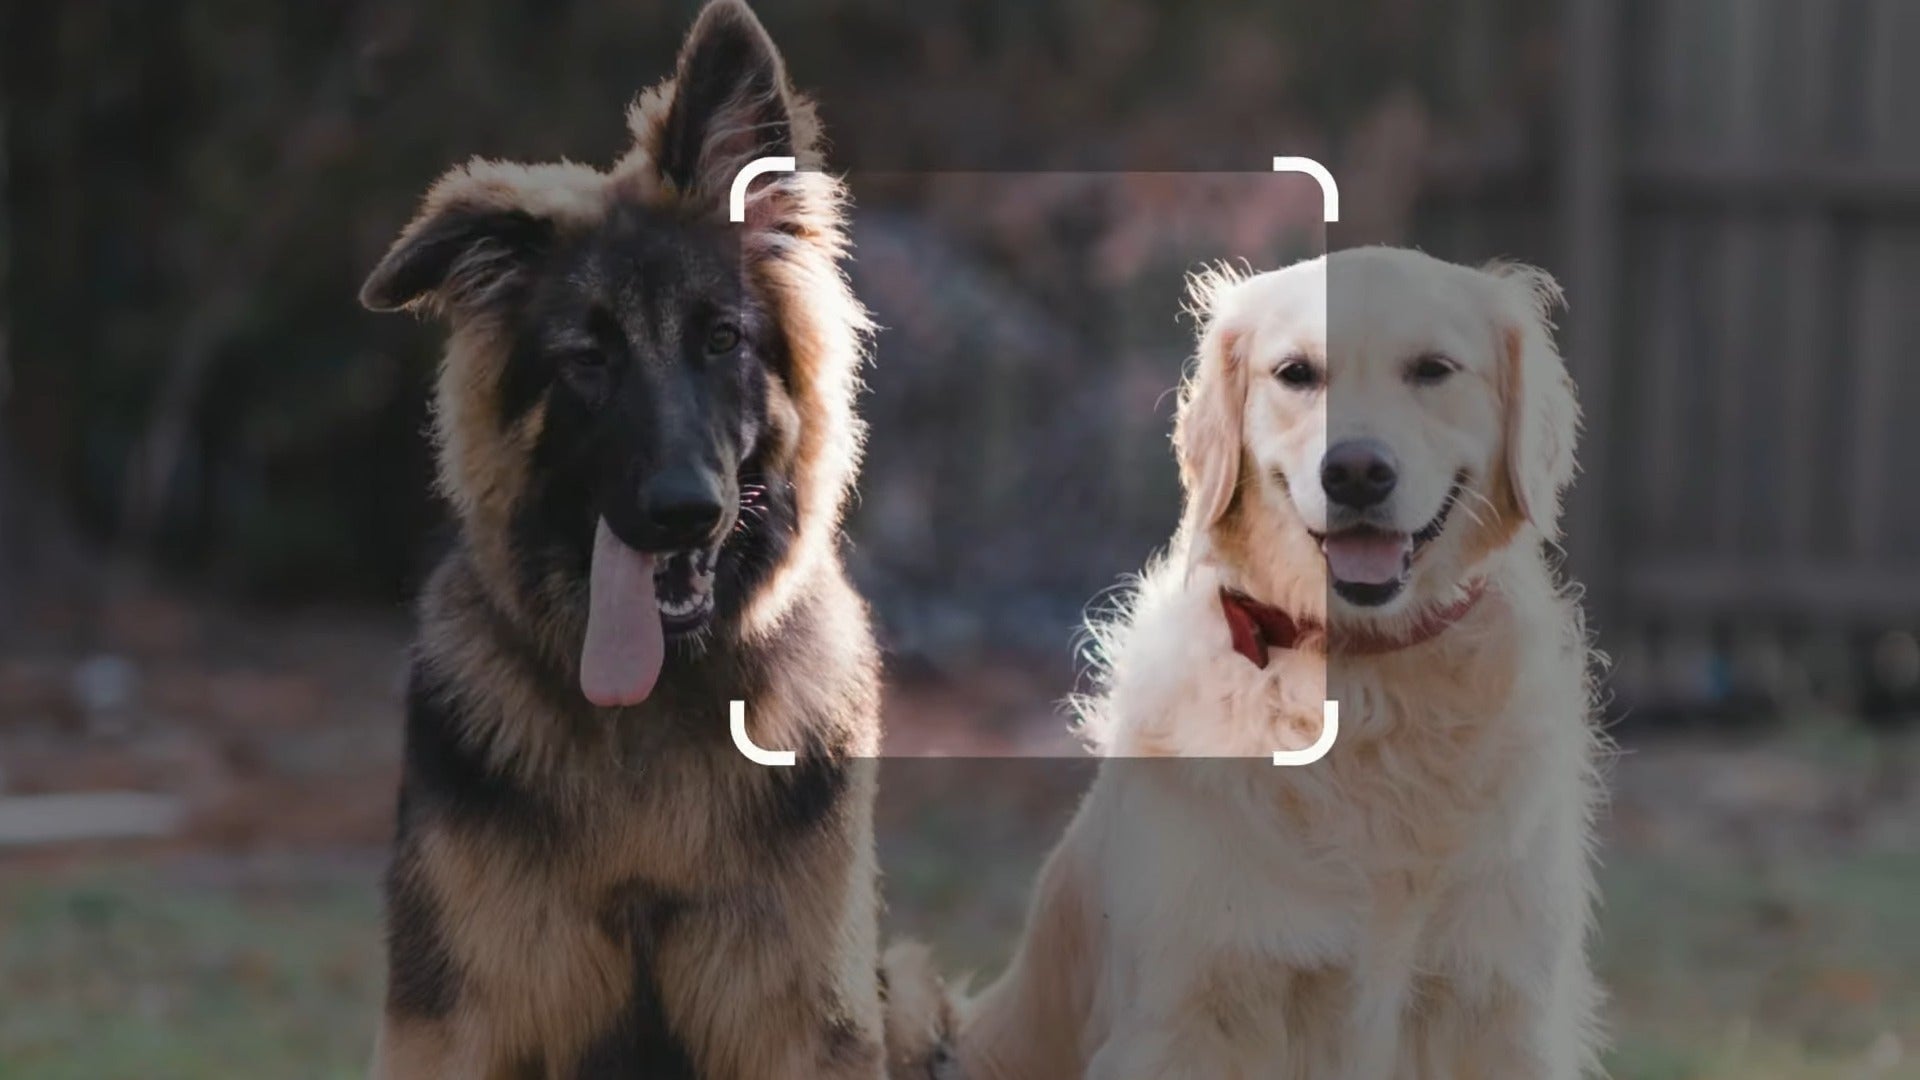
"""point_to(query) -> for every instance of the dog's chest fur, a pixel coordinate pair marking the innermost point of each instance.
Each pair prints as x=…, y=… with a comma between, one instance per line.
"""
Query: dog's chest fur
x=1435, y=854
x=574, y=888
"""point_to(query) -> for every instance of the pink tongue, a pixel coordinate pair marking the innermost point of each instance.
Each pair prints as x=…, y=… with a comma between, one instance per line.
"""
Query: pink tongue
x=1367, y=558
x=621, y=659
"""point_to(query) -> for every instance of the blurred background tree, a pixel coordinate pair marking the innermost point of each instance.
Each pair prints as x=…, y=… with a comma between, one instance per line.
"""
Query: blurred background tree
x=196, y=189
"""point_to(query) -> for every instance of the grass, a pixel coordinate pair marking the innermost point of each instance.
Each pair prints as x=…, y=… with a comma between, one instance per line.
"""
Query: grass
x=1780, y=972
x=1807, y=972
x=131, y=973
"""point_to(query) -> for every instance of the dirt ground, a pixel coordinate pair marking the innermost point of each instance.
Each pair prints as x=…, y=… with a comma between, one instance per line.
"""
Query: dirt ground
x=1760, y=891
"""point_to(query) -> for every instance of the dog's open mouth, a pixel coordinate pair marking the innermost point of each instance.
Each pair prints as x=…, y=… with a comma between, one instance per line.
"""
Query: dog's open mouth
x=1369, y=566
x=683, y=587
x=636, y=600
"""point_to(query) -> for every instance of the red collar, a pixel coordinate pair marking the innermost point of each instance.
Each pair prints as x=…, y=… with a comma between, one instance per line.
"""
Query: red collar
x=1258, y=628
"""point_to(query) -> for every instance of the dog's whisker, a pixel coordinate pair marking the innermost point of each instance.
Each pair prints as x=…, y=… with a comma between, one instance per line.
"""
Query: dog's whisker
x=1483, y=500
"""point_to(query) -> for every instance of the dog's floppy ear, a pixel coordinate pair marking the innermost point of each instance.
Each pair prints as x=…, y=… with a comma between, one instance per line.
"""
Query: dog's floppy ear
x=731, y=105
x=1206, y=434
x=1542, y=416
x=478, y=230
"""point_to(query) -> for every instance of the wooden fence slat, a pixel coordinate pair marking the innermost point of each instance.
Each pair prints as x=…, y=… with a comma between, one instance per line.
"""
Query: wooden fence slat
x=1827, y=593
x=1879, y=300
x=1736, y=244
x=1808, y=311
x=1590, y=236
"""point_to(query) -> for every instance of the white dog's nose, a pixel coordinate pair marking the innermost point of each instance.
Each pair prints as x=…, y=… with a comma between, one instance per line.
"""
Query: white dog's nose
x=1359, y=473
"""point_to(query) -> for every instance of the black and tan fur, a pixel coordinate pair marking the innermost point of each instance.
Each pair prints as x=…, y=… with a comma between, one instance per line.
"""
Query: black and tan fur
x=585, y=892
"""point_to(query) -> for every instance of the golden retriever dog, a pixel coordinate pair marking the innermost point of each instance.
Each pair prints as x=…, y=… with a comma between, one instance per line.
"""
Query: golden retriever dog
x=1372, y=470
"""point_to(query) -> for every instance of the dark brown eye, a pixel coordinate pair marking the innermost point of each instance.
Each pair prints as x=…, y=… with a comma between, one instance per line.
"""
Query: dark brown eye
x=1431, y=369
x=723, y=338
x=1297, y=374
x=587, y=372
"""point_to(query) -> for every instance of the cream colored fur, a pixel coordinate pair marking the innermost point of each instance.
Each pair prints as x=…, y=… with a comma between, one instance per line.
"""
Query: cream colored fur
x=1416, y=904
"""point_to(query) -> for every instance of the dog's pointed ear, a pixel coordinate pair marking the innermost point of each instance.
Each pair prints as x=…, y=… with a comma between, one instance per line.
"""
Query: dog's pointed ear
x=732, y=103
x=1542, y=415
x=479, y=228
x=1207, y=432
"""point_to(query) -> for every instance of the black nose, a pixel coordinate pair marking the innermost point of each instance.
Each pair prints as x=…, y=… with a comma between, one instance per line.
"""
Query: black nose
x=683, y=507
x=1359, y=473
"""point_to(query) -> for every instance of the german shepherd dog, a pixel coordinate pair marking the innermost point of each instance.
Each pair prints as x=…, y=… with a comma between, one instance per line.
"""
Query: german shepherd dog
x=644, y=425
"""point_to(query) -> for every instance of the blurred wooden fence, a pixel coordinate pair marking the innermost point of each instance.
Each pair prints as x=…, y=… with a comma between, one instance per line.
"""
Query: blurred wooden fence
x=1735, y=211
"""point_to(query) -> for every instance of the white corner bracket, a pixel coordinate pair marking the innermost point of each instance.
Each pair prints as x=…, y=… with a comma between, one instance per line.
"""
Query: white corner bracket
x=1329, y=191
x=737, y=199
x=737, y=719
x=1329, y=213
x=1329, y=731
